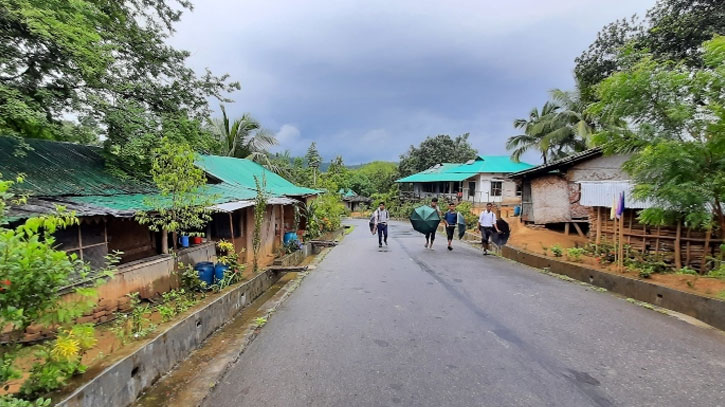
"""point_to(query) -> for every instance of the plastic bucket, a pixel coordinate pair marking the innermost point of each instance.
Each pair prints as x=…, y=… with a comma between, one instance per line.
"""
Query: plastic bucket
x=289, y=236
x=206, y=272
x=517, y=210
x=219, y=271
x=196, y=240
x=184, y=241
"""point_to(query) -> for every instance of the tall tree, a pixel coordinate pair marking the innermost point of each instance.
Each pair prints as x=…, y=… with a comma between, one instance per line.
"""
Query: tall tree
x=534, y=133
x=435, y=150
x=243, y=137
x=672, y=30
x=314, y=160
x=105, y=62
x=675, y=131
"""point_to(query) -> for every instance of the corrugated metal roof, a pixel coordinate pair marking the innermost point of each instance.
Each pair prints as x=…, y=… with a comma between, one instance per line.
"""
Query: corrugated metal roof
x=231, y=206
x=493, y=164
x=241, y=172
x=561, y=163
x=500, y=164
x=441, y=172
x=54, y=168
x=603, y=193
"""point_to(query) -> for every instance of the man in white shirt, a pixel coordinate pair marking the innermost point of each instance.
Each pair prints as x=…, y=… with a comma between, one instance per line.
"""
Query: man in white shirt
x=381, y=217
x=486, y=224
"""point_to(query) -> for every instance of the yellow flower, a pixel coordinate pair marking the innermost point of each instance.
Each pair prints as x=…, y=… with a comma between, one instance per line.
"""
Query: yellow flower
x=65, y=349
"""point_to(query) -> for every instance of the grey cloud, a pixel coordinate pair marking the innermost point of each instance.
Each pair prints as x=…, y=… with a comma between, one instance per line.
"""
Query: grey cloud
x=367, y=79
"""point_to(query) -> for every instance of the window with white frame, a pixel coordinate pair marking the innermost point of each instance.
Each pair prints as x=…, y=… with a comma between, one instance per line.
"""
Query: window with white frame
x=496, y=187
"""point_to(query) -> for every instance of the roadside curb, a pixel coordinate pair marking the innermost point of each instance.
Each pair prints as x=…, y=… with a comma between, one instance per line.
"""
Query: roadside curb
x=708, y=310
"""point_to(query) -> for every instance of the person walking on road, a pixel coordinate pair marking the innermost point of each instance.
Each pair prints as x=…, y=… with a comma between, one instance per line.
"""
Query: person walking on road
x=486, y=224
x=449, y=220
x=430, y=237
x=381, y=217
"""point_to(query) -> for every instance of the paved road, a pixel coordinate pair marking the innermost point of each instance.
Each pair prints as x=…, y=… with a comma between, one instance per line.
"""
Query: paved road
x=413, y=327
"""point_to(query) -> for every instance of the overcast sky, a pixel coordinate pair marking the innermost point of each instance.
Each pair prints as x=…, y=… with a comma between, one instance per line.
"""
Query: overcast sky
x=367, y=79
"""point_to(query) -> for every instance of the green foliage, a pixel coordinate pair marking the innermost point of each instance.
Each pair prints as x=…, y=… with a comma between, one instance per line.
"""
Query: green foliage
x=243, y=137
x=575, y=254
x=687, y=271
x=466, y=209
x=260, y=209
x=717, y=272
x=136, y=324
x=673, y=30
x=59, y=360
x=675, y=132
x=11, y=401
x=106, y=64
x=260, y=321
x=323, y=214
x=561, y=128
x=230, y=258
x=32, y=272
x=182, y=206
x=645, y=272
x=374, y=177
x=175, y=302
x=189, y=278
x=436, y=150
x=556, y=250
x=314, y=160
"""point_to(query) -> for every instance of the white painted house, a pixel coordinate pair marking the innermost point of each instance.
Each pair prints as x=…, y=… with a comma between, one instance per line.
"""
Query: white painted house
x=478, y=181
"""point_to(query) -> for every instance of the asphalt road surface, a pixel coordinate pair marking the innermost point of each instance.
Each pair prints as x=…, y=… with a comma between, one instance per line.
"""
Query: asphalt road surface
x=415, y=327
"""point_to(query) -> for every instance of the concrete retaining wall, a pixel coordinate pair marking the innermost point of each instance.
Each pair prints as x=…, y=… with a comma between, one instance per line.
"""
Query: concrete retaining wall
x=295, y=258
x=708, y=310
x=121, y=384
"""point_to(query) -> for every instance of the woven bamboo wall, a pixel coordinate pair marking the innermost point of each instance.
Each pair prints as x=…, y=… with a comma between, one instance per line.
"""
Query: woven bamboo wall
x=694, y=245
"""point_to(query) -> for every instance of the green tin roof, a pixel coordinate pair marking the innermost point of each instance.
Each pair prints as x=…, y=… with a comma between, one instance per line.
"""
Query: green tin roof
x=346, y=193
x=54, y=168
x=460, y=172
x=239, y=172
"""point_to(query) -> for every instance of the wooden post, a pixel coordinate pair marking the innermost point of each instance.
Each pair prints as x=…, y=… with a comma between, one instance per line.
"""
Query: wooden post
x=687, y=249
x=566, y=228
x=644, y=238
x=678, y=250
x=599, y=226
x=706, y=250
x=164, y=241
x=657, y=242
x=631, y=219
x=578, y=229
x=231, y=231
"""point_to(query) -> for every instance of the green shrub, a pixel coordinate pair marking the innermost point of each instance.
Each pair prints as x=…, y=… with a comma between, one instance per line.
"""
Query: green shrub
x=688, y=271
x=717, y=273
x=556, y=250
x=575, y=254
x=645, y=272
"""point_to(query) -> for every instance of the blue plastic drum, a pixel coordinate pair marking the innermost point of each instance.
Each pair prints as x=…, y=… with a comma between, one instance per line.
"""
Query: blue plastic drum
x=517, y=210
x=219, y=271
x=289, y=236
x=206, y=272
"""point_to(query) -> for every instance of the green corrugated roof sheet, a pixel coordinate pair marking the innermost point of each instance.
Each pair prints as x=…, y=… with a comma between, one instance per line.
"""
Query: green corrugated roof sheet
x=54, y=168
x=460, y=172
x=346, y=193
x=76, y=174
x=240, y=172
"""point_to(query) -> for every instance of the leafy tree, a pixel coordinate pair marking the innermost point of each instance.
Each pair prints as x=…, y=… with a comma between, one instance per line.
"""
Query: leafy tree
x=336, y=177
x=675, y=133
x=181, y=205
x=377, y=176
x=243, y=138
x=672, y=30
x=314, y=160
x=435, y=150
x=106, y=63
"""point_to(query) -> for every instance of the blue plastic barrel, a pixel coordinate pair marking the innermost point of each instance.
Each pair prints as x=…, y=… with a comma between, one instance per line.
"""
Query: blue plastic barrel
x=289, y=236
x=219, y=271
x=184, y=241
x=206, y=272
x=517, y=210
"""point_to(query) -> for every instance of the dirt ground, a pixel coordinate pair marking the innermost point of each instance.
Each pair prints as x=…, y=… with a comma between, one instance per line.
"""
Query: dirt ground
x=533, y=240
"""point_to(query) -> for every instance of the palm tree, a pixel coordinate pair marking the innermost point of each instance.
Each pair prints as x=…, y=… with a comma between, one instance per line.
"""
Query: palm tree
x=244, y=138
x=534, y=132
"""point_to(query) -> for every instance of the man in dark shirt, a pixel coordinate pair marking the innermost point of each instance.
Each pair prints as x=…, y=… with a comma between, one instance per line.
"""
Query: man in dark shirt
x=449, y=220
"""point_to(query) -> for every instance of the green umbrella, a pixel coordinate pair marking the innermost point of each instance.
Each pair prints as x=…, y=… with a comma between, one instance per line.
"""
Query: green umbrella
x=425, y=219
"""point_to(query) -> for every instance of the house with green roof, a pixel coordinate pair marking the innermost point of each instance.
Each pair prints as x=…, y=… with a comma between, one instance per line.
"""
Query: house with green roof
x=479, y=181
x=76, y=177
